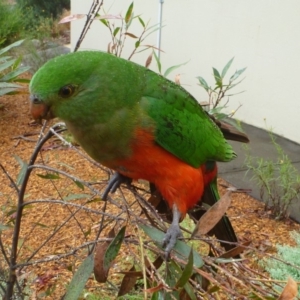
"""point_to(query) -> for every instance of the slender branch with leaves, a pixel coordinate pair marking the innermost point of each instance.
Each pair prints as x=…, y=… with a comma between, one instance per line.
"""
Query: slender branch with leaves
x=221, y=90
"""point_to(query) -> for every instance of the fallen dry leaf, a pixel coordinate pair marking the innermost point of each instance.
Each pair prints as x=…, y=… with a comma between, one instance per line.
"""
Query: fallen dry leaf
x=290, y=291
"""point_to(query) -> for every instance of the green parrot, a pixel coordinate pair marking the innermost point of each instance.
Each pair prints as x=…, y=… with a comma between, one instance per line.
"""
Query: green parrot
x=134, y=121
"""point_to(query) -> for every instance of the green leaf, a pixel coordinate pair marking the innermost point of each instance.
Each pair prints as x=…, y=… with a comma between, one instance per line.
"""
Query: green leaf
x=182, y=250
x=190, y=291
x=187, y=271
x=75, y=197
x=173, y=273
x=6, y=65
x=4, y=59
x=137, y=44
x=155, y=29
x=17, y=62
x=23, y=80
x=157, y=61
x=159, y=295
x=79, y=279
x=79, y=184
x=23, y=170
x=220, y=116
x=117, y=29
x=237, y=74
x=88, y=232
x=203, y=83
x=49, y=176
x=15, y=44
x=3, y=227
x=8, y=91
x=105, y=22
x=95, y=200
x=41, y=225
x=4, y=85
x=213, y=289
x=217, y=110
x=12, y=75
x=142, y=22
x=171, y=69
x=225, y=69
x=113, y=248
x=218, y=77
x=129, y=13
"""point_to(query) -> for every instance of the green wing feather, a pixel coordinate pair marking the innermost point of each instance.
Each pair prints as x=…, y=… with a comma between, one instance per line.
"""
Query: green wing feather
x=182, y=126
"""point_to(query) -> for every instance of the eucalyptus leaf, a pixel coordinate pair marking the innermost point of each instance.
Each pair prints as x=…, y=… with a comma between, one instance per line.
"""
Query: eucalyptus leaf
x=3, y=227
x=75, y=197
x=187, y=271
x=114, y=248
x=23, y=170
x=6, y=65
x=181, y=249
x=79, y=279
x=141, y=21
x=129, y=13
x=225, y=69
x=237, y=74
x=49, y=176
x=79, y=184
x=203, y=83
x=15, y=44
x=218, y=77
x=157, y=61
x=117, y=29
x=12, y=75
x=171, y=69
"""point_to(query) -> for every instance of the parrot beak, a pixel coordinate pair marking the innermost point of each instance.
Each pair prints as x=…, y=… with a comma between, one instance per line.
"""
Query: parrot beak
x=39, y=109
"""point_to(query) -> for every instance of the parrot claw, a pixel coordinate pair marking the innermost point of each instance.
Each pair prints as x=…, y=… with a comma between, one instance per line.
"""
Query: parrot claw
x=170, y=238
x=172, y=233
x=115, y=181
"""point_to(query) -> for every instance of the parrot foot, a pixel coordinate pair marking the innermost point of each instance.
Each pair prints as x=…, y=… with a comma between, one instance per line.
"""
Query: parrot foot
x=115, y=181
x=172, y=233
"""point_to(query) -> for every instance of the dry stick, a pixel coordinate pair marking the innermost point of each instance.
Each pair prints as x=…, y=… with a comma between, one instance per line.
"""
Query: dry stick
x=58, y=192
x=3, y=251
x=58, y=257
x=90, y=18
x=10, y=179
x=101, y=227
x=80, y=207
x=251, y=271
x=14, y=248
x=69, y=176
x=271, y=280
x=90, y=210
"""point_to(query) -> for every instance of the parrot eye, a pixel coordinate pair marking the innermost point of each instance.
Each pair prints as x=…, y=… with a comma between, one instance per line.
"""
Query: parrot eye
x=36, y=100
x=67, y=91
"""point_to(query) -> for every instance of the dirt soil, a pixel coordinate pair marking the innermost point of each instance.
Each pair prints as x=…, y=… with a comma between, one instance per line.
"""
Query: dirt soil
x=18, y=138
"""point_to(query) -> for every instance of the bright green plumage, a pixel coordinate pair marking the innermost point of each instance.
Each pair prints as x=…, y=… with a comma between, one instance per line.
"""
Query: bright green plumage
x=112, y=97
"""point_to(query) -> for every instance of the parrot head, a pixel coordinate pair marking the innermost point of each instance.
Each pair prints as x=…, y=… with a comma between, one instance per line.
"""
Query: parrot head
x=63, y=86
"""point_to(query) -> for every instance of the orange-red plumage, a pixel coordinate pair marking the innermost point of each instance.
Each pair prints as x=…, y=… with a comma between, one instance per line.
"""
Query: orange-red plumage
x=177, y=181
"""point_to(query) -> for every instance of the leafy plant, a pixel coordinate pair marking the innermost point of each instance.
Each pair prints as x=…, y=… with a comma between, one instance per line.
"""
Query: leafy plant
x=278, y=181
x=120, y=33
x=10, y=70
x=11, y=23
x=221, y=90
x=287, y=263
x=45, y=8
